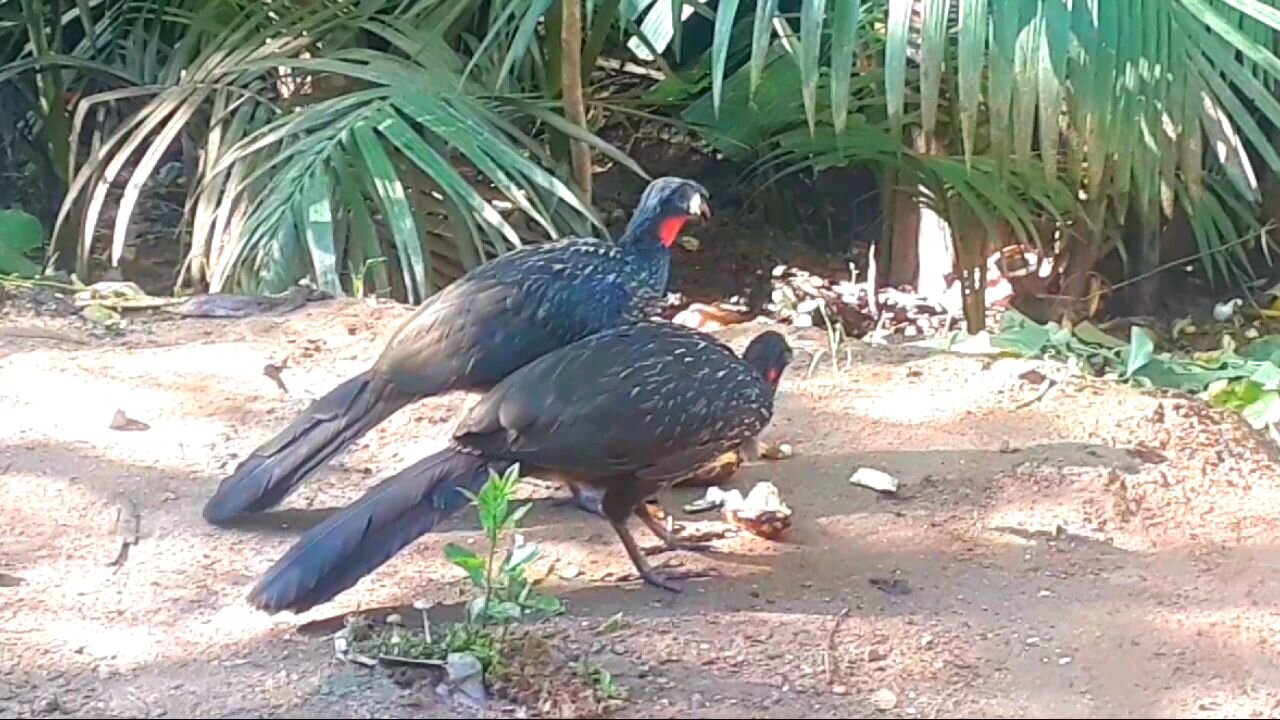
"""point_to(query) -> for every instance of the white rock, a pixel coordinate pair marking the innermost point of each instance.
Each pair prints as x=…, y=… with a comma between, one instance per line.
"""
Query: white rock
x=874, y=479
x=884, y=699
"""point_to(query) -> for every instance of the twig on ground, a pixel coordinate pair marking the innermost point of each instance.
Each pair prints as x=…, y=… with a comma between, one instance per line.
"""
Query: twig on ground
x=831, y=644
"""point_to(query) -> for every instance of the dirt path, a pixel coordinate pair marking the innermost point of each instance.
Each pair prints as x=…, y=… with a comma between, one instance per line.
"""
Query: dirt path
x=1092, y=552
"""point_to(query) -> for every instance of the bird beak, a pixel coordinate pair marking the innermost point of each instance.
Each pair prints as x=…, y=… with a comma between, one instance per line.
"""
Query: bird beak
x=698, y=207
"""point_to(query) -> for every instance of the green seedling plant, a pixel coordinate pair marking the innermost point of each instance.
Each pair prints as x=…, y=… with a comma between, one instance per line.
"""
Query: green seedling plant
x=507, y=595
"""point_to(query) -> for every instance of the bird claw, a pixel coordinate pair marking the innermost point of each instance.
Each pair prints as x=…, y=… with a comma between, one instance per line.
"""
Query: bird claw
x=663, y=580
x=674, y=546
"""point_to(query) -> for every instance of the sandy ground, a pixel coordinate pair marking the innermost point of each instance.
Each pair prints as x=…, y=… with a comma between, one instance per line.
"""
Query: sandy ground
x=1086, y=551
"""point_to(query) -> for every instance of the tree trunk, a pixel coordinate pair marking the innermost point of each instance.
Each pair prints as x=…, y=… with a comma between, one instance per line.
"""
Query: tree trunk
x=575, y=106
x=916, y=247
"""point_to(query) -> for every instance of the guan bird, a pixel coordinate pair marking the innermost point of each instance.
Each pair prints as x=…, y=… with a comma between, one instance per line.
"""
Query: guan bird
x=623, y=413
x=469, y=336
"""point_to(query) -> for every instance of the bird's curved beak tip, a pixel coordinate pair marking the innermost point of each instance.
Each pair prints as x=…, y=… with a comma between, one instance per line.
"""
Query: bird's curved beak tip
x=699, y=207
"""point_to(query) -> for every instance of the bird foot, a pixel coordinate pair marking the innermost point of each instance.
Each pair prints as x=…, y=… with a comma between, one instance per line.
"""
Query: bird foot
x=663, y=580
x=677, y=545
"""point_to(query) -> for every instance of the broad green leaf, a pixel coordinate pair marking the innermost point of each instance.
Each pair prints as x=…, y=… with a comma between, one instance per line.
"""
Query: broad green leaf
x=971, y=53
x=1088, y=332
x=844, y=48
x=1233, y=395
x=1003, y=53
x=1055, y=48
x=20, y=235
x=317, y=230
x=1264, y=349
x=812, y=15
x=468, y=561
x=505, y=610
x=761, y=31
x=1184, y=375
x=1020, y=334
x=1141, y=347
x=895, y=61
x=545, y=603
x=517, y=515
x=391, y=193
x=725, y=13
x=933, y=54
x=1266, y=375
x=1264, y=411
x=1026, y=83
x=521, y=555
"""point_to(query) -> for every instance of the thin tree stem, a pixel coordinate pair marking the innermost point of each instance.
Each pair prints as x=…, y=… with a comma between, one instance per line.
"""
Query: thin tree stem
x=575, y=106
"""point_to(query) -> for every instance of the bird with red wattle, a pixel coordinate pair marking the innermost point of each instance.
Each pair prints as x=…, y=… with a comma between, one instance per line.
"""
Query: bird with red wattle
x=623, y=414
x=498, y=317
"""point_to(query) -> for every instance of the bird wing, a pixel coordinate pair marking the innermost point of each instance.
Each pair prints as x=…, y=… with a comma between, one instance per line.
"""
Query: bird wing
x=514, y=309
x=650, y=399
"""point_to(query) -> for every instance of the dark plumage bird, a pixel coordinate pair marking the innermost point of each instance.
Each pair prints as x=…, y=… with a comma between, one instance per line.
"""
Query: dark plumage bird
x=475, y=332
x=622, y=413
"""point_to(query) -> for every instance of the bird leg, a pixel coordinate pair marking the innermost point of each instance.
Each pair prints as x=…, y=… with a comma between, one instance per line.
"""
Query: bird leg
x=642, y=566
x=582, y=501
x=669, y=541
x=593, y=503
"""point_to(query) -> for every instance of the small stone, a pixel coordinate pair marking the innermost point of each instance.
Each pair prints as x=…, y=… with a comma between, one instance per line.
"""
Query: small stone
x=465, y=673
x=884, y=699
x=839, y=690
x=781, y=451
x=875, y=480
x=121, y=421
x=1064, y=660
x=570, y=572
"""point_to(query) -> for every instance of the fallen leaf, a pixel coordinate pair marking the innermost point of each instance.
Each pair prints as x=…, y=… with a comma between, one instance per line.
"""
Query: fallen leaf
x=274, y=371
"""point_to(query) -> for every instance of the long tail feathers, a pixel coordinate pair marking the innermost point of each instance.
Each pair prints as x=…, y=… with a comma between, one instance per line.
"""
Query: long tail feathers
x=277, y=467
x=356, y=540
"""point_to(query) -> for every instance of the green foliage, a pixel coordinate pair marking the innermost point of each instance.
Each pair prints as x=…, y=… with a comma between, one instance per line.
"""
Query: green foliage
x=394, y=642
x=20, y=236
x=1104, y=105
x=329, y=135
x=601, y=680
x=1247, y=381
x=378, y=146
x=506, y=594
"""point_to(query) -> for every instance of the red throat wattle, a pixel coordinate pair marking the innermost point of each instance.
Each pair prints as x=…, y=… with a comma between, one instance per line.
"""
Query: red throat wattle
x=669, y=229
x=774, y=374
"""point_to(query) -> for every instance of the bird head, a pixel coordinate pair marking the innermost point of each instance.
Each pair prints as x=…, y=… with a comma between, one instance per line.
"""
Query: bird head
x=664, y=208
x=769, y=354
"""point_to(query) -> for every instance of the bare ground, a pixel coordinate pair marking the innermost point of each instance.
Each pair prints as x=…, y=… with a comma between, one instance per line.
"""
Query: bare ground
x=1090, y=551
